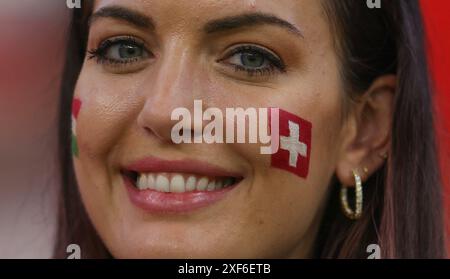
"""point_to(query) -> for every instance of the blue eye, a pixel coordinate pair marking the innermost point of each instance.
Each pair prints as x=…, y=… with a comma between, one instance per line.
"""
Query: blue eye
x=124, y=51
x=121, y=50
x=254, y=60
x=249, y=59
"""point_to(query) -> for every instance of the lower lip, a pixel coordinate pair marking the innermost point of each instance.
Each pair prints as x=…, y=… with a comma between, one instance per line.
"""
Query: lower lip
x=159, y=202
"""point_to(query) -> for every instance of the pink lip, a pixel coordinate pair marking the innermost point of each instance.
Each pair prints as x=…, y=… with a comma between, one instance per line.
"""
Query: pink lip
x=158, y=202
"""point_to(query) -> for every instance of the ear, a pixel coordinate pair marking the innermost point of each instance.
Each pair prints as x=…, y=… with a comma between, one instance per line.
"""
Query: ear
x=367, y=132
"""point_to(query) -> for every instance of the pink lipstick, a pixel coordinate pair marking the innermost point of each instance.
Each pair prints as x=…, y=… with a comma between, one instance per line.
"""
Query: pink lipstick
x=176, y=186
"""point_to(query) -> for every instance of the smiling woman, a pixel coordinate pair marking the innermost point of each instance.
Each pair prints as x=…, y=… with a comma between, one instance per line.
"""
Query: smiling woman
x=350, y=82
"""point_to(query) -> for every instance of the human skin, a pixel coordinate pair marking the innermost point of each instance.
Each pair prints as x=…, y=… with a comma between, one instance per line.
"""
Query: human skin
x=125, y=116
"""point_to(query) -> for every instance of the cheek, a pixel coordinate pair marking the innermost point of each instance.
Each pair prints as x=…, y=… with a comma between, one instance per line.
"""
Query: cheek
x=108, y=111
x=300, y=200
x=103, y=120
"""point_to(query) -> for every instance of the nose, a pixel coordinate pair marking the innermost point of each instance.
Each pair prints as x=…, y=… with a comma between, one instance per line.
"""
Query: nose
x=169, y=86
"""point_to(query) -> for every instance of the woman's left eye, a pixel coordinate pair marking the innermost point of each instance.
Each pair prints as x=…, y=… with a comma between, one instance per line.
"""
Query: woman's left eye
x=254, y=60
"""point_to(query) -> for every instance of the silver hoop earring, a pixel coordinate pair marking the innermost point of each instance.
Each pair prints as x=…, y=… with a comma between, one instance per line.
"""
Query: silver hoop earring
x=350, y=213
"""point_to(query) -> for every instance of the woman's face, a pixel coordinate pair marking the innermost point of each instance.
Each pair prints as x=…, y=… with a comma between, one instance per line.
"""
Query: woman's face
x=141, y=68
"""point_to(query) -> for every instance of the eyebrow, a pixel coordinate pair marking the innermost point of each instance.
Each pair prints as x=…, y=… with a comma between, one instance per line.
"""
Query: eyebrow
x=250, y=19
x=121, y=13
x=220, y=25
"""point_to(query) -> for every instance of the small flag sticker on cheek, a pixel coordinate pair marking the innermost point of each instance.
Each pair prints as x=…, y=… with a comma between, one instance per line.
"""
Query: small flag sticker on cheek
x=294, y=144
x=76, y=106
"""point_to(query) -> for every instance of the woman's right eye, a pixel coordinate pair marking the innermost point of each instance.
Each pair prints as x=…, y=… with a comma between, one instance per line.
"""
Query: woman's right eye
x=120, y=51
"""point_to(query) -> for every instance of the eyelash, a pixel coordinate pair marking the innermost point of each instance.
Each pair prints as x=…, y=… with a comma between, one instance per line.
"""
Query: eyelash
x=275, y=63
x=100, y=53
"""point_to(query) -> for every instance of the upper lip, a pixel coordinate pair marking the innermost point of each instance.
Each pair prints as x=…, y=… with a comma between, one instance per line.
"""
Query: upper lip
x=154, y=164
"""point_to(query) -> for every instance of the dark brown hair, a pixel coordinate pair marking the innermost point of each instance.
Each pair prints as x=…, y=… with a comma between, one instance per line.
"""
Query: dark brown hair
x=403, y=201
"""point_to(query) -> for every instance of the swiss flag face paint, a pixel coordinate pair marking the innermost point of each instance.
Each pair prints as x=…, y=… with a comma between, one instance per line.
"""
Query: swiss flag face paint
x=294, y=144
x=76, y=106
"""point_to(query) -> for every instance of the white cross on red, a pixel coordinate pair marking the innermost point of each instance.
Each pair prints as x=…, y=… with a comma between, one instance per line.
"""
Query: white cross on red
x=293, y=144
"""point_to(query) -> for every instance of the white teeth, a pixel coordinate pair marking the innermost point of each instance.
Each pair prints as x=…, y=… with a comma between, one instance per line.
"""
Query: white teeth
x=180, y=183
x=162, y=183
x=142, y=182
x=211, y=186
x=190, y=183
x=202, y=184
x=151, y=182
x=177, y=184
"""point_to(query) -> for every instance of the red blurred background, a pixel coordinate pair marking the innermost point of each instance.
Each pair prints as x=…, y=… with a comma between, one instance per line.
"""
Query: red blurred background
x=437, y=21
